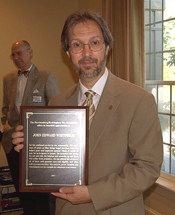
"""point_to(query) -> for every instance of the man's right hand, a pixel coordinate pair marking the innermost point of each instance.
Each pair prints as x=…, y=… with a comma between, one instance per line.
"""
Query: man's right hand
x=18, y=138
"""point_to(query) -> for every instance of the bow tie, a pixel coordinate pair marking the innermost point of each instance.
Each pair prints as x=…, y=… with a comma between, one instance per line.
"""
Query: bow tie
x=25, y=73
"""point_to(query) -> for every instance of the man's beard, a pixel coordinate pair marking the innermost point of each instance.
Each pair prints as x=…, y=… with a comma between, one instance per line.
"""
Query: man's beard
x=95, y=71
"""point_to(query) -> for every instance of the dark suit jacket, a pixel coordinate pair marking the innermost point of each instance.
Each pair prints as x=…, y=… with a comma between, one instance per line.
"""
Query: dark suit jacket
x=125, y=149
x=40, y=83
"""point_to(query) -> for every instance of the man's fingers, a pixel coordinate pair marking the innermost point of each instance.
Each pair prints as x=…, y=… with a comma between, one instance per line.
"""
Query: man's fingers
x=19, y=128
x=17, y=141
x=66, y=190
x=17, y=134
x=18, y=138
x=18, y=147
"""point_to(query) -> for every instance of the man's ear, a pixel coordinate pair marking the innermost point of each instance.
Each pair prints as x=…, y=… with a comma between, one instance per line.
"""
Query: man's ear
x=107, y=50
x=31, y=53
x=68, y=54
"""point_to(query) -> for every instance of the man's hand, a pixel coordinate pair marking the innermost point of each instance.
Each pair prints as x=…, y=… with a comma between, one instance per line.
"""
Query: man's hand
x=75, y=195
x=18, y=138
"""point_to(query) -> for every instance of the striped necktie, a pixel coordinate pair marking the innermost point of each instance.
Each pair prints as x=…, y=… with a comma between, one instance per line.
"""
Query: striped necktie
x=89, y=102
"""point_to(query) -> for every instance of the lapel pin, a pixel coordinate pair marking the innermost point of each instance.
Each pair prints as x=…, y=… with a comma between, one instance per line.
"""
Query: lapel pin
x=110, y=107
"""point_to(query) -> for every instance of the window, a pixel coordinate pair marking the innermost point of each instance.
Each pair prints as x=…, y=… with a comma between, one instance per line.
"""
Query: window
x=160, y=70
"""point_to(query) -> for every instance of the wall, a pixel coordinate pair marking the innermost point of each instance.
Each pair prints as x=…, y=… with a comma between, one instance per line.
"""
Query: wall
x=40, y=23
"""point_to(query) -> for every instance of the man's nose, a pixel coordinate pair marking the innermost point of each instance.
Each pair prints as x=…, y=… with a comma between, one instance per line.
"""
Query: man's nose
x=86, y=50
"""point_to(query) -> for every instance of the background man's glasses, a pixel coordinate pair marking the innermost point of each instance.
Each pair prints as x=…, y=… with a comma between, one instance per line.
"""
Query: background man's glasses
x=19, y=54
x=94, y=45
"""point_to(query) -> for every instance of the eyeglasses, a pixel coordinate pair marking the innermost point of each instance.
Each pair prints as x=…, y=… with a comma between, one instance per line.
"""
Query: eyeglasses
x=19, y=54
x=94, y=45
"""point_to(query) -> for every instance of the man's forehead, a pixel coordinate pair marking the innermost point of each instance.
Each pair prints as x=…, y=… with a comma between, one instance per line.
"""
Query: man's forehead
x=17, y=47
x=85, y=29
x=85, y=24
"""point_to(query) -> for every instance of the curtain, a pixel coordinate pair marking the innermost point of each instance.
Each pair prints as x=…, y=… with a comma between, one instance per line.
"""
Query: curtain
x=125, y=19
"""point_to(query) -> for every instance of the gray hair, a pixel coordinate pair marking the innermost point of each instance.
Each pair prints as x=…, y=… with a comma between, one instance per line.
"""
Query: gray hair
x=26, y=44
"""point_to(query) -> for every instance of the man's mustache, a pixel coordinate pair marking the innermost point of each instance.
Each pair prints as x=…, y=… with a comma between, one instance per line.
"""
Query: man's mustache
x=86, y=59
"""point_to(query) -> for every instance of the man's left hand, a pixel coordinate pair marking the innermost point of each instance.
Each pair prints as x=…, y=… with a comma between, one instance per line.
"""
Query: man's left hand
x=75, y=195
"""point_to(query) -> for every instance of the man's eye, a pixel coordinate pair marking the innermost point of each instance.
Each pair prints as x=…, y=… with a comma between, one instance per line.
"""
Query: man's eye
x=95, y=43
x=76, y=45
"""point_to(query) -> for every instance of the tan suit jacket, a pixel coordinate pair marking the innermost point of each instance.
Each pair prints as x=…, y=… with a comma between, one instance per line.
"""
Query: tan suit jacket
x=125, y=149
x=40, y=83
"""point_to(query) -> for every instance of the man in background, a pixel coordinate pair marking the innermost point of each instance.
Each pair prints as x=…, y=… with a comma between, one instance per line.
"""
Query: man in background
x=125, y=139
x=26, y=86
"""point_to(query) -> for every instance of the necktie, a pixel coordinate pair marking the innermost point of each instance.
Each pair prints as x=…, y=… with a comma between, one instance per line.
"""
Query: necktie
x=25, y=73
x=89, y=102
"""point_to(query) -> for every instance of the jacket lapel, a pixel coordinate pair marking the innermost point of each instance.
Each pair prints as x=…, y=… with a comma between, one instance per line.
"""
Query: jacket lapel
x=106, y=108
x=14, y=86
x=30, y=83
x=72, y=96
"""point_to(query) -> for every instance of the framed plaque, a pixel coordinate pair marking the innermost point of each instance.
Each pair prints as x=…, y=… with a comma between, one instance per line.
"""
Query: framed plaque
x=55, y=149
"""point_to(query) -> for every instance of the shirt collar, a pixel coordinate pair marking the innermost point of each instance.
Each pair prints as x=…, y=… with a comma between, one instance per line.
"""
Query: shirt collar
x=28, y=68
x=97, y=88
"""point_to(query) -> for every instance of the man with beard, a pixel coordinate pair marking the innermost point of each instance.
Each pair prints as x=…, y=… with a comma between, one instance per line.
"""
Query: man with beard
x=26, y=86
x=125, y=141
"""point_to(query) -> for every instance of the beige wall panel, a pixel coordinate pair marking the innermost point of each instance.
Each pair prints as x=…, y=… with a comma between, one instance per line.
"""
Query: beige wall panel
x=90, y=5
